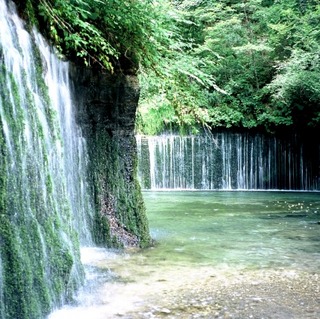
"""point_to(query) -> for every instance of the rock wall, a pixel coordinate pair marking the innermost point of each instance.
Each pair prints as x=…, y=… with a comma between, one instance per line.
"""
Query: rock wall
x=106, y=112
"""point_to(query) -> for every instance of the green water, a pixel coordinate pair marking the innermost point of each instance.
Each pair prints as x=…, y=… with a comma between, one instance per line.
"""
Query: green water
x=216, y=255
x=235, y=229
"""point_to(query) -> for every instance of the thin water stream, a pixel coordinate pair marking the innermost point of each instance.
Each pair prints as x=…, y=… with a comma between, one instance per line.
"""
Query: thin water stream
x=216, y=255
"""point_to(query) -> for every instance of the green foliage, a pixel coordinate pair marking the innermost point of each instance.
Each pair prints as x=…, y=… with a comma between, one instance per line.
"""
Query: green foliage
x=155, y=114
x=201, y=63
x=259, y=67
x=175, y=93
x=112, y=34
x=296, y=87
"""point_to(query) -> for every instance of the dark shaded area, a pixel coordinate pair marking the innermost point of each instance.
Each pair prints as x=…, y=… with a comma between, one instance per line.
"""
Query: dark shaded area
x=106, y=112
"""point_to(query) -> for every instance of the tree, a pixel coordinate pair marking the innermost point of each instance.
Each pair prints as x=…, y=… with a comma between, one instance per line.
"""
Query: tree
x=261, y=57
x=227, y=63
x=111, y=34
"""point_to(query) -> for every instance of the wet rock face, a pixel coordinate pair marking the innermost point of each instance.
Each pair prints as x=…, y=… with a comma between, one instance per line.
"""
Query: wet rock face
x=108, y=100
x=106, y=112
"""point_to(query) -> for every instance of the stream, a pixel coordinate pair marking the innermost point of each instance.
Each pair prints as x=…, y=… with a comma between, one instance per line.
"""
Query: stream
x=216, y=255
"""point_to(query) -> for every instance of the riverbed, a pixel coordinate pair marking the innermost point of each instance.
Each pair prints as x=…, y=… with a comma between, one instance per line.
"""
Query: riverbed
x=216, y=255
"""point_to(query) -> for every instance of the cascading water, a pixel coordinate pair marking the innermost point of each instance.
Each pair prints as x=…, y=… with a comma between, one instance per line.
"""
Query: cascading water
x=73, y=159
x=45, y=205
x=227, y=161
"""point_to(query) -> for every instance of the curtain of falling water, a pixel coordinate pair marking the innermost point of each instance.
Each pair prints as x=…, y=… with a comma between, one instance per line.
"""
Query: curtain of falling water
x=227, y=161
x=45, y=205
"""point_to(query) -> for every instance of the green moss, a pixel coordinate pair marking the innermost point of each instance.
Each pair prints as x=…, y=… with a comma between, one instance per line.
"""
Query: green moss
x=116, y=186
x=12, y=112
x=3, y=173
x=49, y=184
x=101, y=233
x=18, y=297
x=27, y=12
x=28, y=293
x=40, y=269
x=60, y=262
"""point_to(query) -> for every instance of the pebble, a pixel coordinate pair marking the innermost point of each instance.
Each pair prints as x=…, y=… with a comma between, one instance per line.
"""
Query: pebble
x=280, y=294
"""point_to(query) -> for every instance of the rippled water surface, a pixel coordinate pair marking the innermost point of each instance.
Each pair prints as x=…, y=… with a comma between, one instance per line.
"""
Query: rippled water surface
x=216, y=255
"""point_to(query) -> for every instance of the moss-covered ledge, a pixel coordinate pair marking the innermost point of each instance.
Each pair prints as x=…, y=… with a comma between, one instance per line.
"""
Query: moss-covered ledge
x=106, y=107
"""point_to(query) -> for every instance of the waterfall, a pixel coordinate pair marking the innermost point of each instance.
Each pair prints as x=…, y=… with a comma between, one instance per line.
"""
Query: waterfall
x=227, y=161
x=45, y=203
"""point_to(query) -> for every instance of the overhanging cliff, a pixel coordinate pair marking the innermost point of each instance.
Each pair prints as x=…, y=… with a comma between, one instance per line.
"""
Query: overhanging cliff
x=106, y=112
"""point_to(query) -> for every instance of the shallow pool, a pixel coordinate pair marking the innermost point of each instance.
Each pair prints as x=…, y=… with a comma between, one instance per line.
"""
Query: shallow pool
x=216, y=255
